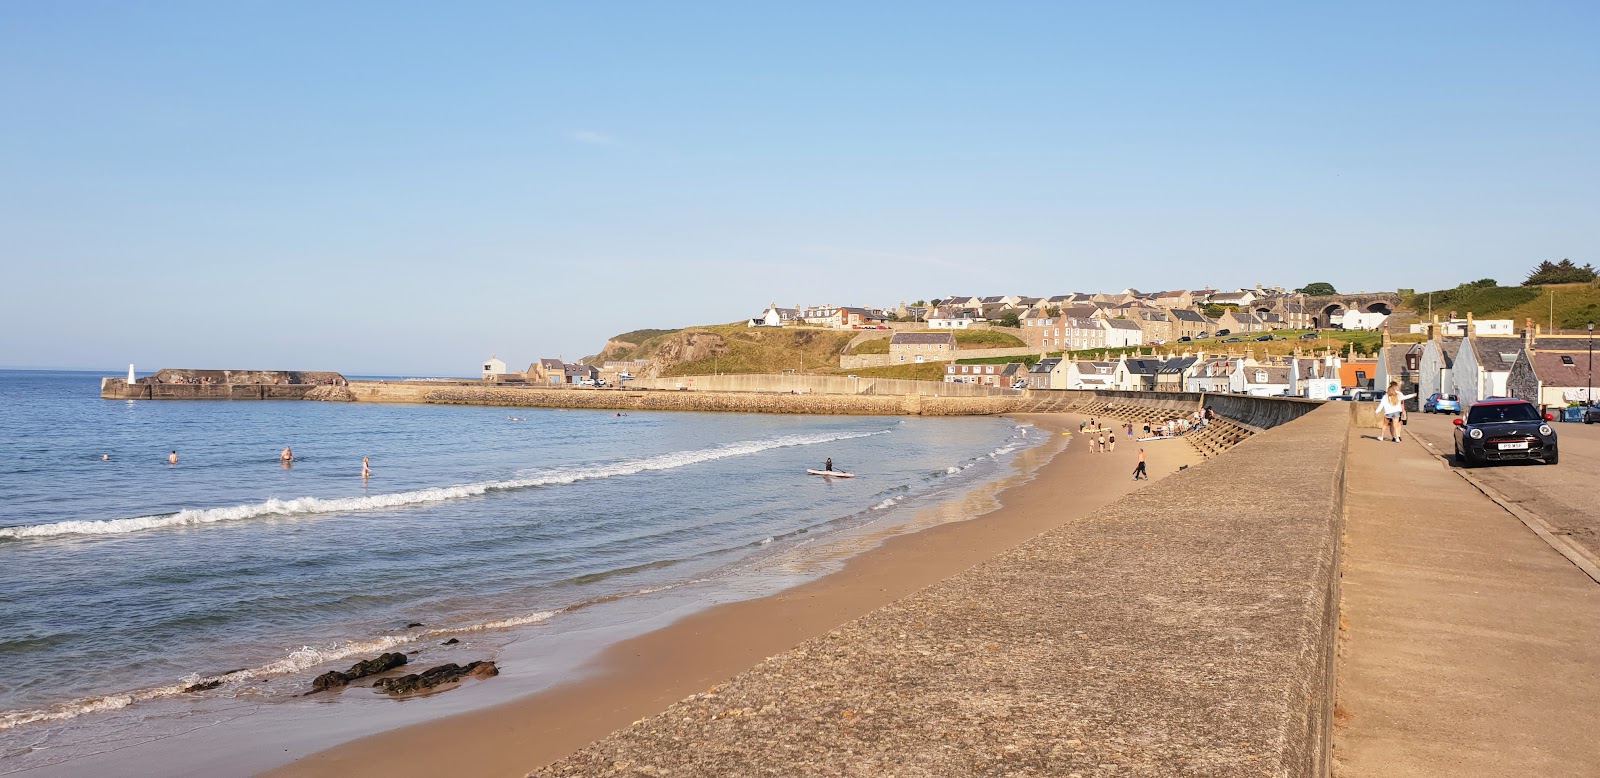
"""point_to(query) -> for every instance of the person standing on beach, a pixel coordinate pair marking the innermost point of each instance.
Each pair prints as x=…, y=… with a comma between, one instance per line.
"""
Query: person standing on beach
x=1390, y=409
x=1101, y=440
x=1111, y=443
x=1138, y=470
x=366, y=470
x=172, y=459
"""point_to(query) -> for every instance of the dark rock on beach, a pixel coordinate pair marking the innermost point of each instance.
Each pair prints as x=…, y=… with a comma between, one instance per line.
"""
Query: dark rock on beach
x=450, y=642
x=436, y=676
x=414, y=624
x=202, y=686
x=333, y=679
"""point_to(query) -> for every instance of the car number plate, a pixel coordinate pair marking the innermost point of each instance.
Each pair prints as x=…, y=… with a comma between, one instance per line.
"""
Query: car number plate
x=1513, y=446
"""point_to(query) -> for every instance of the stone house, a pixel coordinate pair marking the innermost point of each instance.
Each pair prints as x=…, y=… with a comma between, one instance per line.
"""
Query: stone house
x=1238, y=321
x=1154, y=323
x=1551, y=378
x=547, y=371
x=1187, y=322
x=1083, y=333
x=1174, y=300
x=1291, y=309
x=1041, y=331
x=1174, y=373
x=913, y=347
x=1482, y=367
x=1209, y=375
x=1039, y=374
x=1436, y=367
x=1401, y=362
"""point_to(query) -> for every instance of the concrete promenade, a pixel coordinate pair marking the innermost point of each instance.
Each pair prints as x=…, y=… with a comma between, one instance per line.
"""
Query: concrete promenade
x=1471, y=647
x=1186, y=629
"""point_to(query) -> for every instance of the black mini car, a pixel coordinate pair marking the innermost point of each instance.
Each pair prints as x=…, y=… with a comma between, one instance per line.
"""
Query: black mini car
x=1500, y=429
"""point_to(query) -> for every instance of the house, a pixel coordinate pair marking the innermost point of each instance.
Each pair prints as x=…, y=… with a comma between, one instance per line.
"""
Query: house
x=1187, y=322
x=1088, y=374
x=1238, y=321
x=850, y=316
x=1155, y=323
x=492, y=367
x=1135, y=375
x=1435, y=368
x=1259, y=380
x=1482, y=368
x=950, y=318
x=1317, y=379
x=986, y=374
x=1121, y=333
x=774, y=316
x=1083, y=333
x=1458, y=327
x=1290, y=309
x=1359, y=373
x=1173, y=373
x=1363, y=320
x=547, y=371
x=1271, y=321
x=819, y=315
x=922, y=347
x=1041, y=331
x=1039, y=374
x=1551, y=378
x=575, y=373
x=1209, y=375
x=1173, y=300
x=1242, y=298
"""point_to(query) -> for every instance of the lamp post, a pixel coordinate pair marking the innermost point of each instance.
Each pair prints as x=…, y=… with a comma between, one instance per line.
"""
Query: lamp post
x=1589, y=390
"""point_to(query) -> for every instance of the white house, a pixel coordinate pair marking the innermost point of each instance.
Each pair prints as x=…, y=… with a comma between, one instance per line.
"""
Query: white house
x=1503, y=328
x=493, y=366
x=1435, y=368
x=1363, y=320
x=944, y=318
x=1482, y=366
x=1209, y=375
x=1087, y=374
x=1121, y=333
x=1258, y=379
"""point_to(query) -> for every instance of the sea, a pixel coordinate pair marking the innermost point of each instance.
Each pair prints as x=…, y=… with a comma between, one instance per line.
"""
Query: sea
x=130, y=587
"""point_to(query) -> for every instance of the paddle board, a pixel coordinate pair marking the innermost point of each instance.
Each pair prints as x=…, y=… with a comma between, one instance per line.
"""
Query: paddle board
x=832, y=473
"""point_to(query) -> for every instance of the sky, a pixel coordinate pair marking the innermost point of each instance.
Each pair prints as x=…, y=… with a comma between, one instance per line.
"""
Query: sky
x=407, y=188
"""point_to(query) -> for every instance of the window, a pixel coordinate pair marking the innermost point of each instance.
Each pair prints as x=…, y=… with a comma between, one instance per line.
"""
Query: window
x=1566, y=360
x=919, y=358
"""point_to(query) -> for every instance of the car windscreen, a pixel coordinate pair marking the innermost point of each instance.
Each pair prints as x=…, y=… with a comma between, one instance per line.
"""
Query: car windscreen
x=1485, y=414
x=1450, y=397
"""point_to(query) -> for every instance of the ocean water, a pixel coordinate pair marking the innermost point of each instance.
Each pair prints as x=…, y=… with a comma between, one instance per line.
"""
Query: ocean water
x=125, y=580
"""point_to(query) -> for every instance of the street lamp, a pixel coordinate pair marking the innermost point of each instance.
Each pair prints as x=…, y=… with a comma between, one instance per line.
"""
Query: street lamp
x=1589, y=390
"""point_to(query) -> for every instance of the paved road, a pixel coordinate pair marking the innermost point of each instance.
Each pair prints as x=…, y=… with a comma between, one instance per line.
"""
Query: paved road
x=1564, y=495
x=1469, y=646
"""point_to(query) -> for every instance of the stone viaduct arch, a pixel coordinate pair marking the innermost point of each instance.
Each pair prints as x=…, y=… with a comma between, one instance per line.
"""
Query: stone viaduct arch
x=1322, y=307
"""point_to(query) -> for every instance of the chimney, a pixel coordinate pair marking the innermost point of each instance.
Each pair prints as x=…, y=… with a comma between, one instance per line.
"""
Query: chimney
x=1433, y=329
x=1385, y=341
x=1469, y=332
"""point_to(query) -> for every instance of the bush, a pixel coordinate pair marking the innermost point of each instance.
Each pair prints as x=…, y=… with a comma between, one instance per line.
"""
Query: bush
x=1317, y=289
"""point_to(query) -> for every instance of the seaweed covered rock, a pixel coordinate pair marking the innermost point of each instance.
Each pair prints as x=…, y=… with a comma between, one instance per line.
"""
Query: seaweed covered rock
x=436, y=676
x=334, y=679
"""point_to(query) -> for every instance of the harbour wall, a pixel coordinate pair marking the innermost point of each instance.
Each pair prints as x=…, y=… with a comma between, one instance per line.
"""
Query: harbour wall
x=701, y=400
x=120, y=389
x=818, y=384
x=1166, y=634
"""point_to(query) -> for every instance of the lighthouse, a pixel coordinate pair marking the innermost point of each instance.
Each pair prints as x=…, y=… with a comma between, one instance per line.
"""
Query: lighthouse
x=130, y=374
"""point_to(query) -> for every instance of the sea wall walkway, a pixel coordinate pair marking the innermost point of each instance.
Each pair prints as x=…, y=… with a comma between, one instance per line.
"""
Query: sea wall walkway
x=1472, y=648
x=1185, y=630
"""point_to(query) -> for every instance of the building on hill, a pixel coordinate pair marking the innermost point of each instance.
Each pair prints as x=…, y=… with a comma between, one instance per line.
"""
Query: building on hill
x=1041, y=331
x=1175, y=299
x=1503, y=328
x=774, y=316
x=951, y=318
x=1187, y=322
x=1154, y=323
x=1239, y=321
x=1242, y=298
x=1122, y=333
x=914, y=347
x=1083, y=333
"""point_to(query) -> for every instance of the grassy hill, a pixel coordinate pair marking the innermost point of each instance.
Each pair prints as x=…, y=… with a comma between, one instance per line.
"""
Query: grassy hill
x=731, y=348
x=1575, y=306
x=964, y=339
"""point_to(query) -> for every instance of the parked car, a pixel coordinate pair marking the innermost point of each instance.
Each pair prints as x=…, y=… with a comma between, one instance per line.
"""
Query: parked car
x=1591, y=414
x=1224, y=331
x=1341, y=397
x=1232, y=340
x=1185, y=339
x=1365, y=395
x=1260, y=338
x=1438, y=402
x=1309, y=336
x=1203, y=335
x=1500, y=429
x=1020, y=383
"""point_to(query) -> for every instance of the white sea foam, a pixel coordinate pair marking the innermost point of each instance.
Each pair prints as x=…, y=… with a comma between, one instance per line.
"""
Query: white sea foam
x=315, y=505
x=296, y=661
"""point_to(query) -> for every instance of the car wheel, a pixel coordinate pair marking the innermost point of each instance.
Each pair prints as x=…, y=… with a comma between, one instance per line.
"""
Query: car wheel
x=1465, y=461
x=1555, y=456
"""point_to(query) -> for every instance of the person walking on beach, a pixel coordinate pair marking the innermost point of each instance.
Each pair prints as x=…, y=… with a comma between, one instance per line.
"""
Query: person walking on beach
x=1111, y=443
x=1138, y=470
x=1101, y=440
x=172, y=459
x=366, y=470
x=1390, y=409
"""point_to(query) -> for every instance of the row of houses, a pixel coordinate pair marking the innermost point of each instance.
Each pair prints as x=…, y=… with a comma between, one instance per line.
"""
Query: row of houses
x=558, y=372
x=1545, y=369
x=1298, y=375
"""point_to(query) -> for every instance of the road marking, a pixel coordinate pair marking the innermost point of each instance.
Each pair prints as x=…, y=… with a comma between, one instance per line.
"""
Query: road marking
x=1576, y=554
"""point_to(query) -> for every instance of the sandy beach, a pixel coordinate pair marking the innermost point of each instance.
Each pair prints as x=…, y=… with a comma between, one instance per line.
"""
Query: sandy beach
x=643, y=675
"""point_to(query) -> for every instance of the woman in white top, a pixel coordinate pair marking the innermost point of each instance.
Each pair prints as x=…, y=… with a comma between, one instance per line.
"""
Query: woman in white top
x=1390, y=408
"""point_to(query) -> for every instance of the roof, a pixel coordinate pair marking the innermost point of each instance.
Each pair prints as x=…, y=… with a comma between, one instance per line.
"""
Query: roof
x=1492, y=353
x=1552, y=370
x=550, y=364
x=922, y=338
x=1177, y=365
x=1184, y=314
x=1045, y=365
x=1121, y=324
x=1144, y=366
x=1448, y=345
x=1275, y=375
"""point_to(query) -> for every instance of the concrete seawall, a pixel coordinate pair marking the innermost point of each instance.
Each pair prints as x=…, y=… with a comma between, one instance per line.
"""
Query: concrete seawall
x=627, y=400
x=1187, y=629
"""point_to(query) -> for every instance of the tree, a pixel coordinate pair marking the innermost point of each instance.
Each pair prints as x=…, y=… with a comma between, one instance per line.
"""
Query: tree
x=1317, y=289
x=1563, y=272
x=920, y=303
x=1053, y=311
x=1009, y=319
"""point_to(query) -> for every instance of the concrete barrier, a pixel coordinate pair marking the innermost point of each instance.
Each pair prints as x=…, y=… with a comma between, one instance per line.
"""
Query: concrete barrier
x=1187, y=629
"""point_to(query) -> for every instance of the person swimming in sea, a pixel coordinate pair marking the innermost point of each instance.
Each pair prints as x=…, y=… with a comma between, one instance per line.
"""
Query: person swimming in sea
x=172, y=459
x=366, y=470
x=286, y=456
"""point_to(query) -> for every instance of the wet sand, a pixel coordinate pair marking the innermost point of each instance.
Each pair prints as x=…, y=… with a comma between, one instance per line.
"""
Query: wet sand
x=644, y=675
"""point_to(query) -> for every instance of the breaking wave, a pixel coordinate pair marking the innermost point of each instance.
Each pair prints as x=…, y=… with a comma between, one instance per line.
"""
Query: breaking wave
x=301, y=506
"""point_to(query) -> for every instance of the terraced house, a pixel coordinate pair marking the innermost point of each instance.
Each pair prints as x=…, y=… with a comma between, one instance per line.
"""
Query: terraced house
x=912, y=347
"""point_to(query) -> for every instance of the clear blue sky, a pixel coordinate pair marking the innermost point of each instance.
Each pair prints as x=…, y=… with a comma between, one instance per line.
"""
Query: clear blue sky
x=408, y=187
